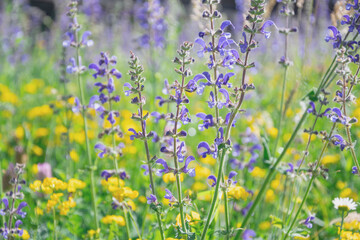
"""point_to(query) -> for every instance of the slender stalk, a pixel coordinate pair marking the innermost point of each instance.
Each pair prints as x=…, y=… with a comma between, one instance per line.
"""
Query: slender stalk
x=135, y=225
x=306, y=152
x=281, y=114
x=88, y=151
x=223, y=153
x=176, y=162
x=310, y=183
x=348, y=133
x=342, y=223
x=116, y=163
x=127, y=223
x=227, y=215
x=324, y=81
x=217, y=115
x=148, y=158
x=55, y=224
x=346, y=95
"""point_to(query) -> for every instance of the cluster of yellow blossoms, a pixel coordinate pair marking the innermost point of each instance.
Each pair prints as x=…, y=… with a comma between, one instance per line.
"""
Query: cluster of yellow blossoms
x=119, y=191
x=51, y=186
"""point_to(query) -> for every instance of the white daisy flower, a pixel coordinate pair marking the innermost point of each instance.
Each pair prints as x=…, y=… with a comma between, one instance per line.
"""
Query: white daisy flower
x=344, y=204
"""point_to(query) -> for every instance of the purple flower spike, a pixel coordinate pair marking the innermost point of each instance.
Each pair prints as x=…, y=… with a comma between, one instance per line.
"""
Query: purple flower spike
x=225, y=24
x=204, y=145
x=135, y=134
x=308, y=221
x=291, y=168
x=339, y=140
x=355, y=6
x=151, y=199
x=102, y=149
x=336, y=37
x=168, y=194
x=312, y=108
x=248, y=234
x=146, y=168
x=243, y=44
x=19, y=209
x=85, y=41
x=164, y=164
x=354, y=170
x=185, y=169
x=267, y=24
x=6, y=206
x=211, y=181
x=106, y=174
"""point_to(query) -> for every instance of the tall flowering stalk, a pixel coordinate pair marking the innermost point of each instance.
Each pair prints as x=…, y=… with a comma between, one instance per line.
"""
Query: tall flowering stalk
x=219, y=82
x=11, y=228
x=287, y=11
x=325, y=82
x=77, y=69
x=136, y=89
x=103, y=105
x=173, y=147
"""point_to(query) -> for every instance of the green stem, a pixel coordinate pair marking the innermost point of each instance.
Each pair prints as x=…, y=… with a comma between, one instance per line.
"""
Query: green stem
x=279, y=126
x=222, y=154
x=342, y=223
x=309, y=185
x=176, y=163
x=55, y=224
x=148, y=158
x=127, y=223
x=227, y=218
x=323, y=82
x=135, y=225
x=90, y=164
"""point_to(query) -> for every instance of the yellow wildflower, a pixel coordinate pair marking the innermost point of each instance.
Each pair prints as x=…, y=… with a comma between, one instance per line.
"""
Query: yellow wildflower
x=258, y=172
x=19, y=132
x=269, y=196
x=65, y=206
x=330, y=159
x=170, y=177
x=265, y=225
x=53, y=201
x=74, y=156
x=35, y=186
x=273, y=132
x=109, y=219
x=40, y=111
x=75, y=184
x=238, y=192
x=39, y=211
x=41, y=132
x=37, y=150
